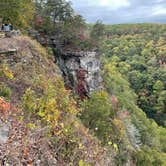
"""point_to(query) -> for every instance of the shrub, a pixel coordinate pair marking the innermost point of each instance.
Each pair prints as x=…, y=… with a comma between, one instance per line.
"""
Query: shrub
x=6, y=72
x=52, y=105
x=83, y=163
x=97, y=113
x=149, y=157
x=5, y=91
x=29, y=101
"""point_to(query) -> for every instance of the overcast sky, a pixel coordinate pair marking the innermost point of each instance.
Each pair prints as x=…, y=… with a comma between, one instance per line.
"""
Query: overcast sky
x=121, y=11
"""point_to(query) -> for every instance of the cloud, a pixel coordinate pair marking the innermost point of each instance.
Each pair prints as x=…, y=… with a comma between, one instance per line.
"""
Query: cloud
x=121, y=11
x=159, y=10
x=113, y=4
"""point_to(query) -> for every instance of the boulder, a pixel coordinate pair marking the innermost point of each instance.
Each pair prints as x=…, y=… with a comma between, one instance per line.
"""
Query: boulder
x=4, y=132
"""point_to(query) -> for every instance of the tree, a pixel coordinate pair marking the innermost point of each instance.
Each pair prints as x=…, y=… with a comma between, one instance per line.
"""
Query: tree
x=158, y=87
x=18, y=12
x=54, y=14
x=161, y=102
x=97, y=32
x=57, y=18
x=97, y=114
x=58, y=10
x=73, y=28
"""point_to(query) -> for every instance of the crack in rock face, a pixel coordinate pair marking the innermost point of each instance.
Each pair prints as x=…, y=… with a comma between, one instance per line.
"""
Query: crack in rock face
x=4, y=132
x=80, y=70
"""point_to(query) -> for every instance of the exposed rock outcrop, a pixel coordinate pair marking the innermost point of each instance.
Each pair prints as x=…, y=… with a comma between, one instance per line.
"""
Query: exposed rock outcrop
x=4, y=132
x=81, y=70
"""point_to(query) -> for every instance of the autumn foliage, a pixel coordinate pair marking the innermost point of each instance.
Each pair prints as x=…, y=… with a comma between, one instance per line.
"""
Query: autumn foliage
x=4, y=105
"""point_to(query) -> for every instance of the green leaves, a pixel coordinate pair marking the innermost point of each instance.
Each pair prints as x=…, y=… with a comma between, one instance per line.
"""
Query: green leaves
x=138, y=53
x=50, y=106
x=97, y=114
x=97, y=33
x=29, y=101
x=82, y=163
x=20, y=13
x=5, y=91
x=134, y=72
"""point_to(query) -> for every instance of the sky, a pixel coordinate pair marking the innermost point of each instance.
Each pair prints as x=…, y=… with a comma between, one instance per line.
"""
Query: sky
x=121, y=11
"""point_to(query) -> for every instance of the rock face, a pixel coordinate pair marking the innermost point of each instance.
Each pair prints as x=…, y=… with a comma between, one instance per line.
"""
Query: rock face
x=4, y=132
x=81, y=70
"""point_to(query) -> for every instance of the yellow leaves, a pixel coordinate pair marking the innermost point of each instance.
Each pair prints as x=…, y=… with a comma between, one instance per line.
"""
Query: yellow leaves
x=81, y=146
x=66, y=130
x=114, y=145
x=103, y=94
x=109, y=143
x=5, y=71
x=120, y=126
x=52, y=105
x=62, y=125
x=116, y=49
x=48, y=111
x=59, y=132
x=117, y=123
x=54, y=117
x=72, y=107
x=8, y=74
x=29, y=101
x=110, y=68
x=20, y=119
x=31, y=126
x=83, y=163
x=41, y=114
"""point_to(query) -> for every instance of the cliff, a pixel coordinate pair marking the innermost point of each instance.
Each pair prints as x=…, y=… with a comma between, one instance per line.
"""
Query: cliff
x=80, y=70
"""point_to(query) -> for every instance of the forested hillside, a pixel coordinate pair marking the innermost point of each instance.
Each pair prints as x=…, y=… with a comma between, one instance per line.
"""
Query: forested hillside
x=134, y=73
x=139, y=51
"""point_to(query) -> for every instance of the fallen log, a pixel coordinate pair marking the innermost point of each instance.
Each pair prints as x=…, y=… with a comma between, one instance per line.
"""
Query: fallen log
x=2, y=34
x=9, y=34
x=8, y=52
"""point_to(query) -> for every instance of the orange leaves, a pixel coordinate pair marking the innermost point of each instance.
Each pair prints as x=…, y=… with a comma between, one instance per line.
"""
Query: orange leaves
x=114, y=101
x=26, y=151
x=4, y=106
x=125, y=114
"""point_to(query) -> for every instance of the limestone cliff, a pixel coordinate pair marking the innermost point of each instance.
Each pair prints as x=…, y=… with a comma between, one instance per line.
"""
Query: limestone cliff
x=81, y=70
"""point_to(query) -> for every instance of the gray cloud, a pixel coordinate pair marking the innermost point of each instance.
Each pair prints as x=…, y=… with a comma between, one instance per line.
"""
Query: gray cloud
x=137, y=11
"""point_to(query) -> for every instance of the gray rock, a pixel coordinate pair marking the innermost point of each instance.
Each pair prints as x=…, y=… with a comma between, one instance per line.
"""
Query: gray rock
x=70, y=63
x=4, y=132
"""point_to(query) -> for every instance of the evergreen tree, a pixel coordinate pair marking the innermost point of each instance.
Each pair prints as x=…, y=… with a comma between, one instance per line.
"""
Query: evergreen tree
x=98, y=31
